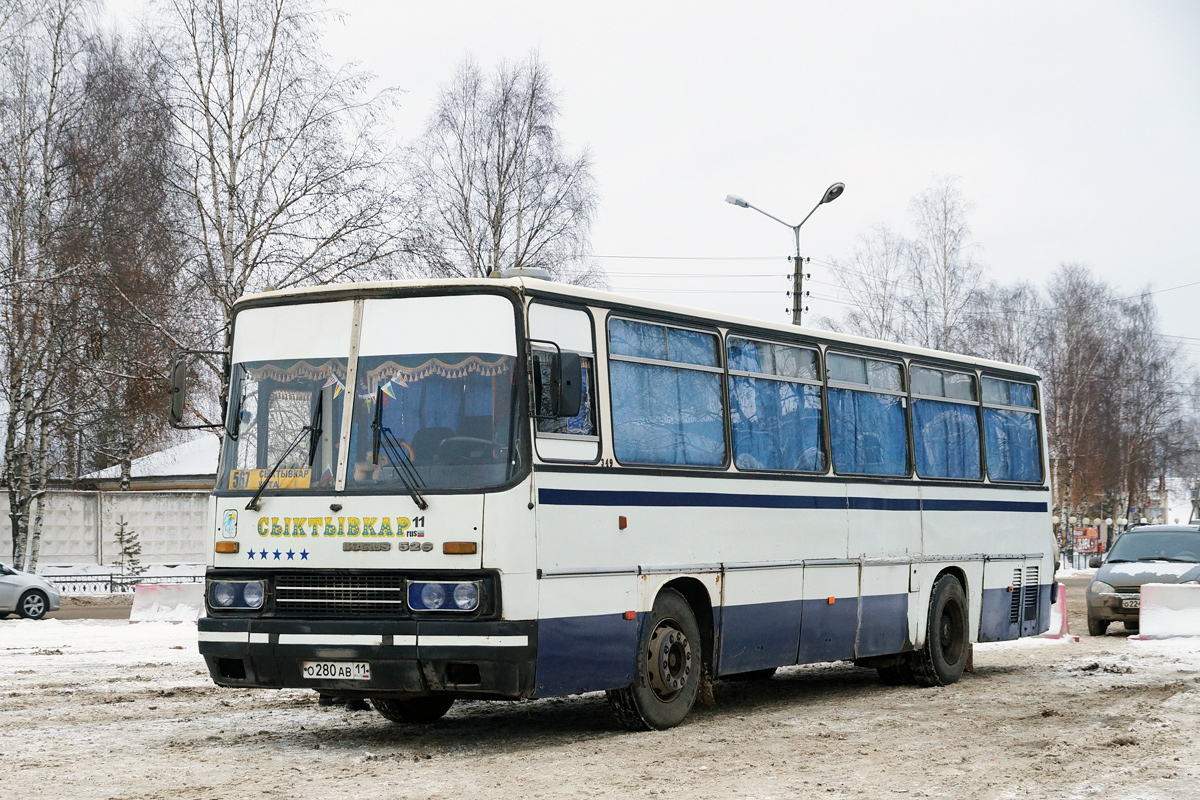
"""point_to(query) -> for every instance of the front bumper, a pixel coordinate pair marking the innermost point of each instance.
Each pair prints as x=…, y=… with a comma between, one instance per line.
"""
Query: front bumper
x=467, y=658
x=1113, y=606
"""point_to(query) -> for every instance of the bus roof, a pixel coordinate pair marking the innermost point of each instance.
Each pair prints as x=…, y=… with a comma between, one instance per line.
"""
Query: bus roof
x=526, y=286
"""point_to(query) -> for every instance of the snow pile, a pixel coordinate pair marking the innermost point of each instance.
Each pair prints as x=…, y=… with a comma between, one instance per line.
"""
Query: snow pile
x=167, y=602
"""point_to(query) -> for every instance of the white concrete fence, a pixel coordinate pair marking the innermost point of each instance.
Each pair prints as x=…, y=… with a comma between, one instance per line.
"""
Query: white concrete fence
x=80, y=528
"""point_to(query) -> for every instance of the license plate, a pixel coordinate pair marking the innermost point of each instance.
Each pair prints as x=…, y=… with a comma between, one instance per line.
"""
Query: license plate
x=336, y=670
x=1136, y=603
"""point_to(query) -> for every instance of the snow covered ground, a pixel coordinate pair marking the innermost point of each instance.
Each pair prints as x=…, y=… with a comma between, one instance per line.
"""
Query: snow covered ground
x=108, y=709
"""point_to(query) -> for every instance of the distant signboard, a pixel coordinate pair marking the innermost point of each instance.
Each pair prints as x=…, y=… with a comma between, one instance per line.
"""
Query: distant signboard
x=1087, y=539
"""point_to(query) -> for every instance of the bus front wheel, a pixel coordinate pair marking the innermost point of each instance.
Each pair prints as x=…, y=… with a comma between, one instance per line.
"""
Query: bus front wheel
x=947, y=639
x=667, y=669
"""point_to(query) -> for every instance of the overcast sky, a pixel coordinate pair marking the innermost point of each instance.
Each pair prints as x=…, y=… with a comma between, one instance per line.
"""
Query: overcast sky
x=1074, y=127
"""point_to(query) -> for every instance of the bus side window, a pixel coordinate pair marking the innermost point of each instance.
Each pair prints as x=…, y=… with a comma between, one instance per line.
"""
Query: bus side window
x=581, y=424
x=866, y=416
x=1010, y=431
x=775, y=406
x=945, y=424
x=577, y=437
x=665, y=385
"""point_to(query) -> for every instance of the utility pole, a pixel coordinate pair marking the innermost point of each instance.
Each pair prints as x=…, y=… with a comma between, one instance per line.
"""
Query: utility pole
x=831, y=194
x=797, y=284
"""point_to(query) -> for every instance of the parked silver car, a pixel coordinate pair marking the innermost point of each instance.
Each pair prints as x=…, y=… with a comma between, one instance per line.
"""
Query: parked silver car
x=1145, y=554
x=25, y=594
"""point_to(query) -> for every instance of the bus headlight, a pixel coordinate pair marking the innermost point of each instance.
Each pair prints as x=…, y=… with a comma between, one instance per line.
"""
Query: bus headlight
x=443, y=595
x=223, y=594
x=466, y=596
x=237, y=594
x=252, y=594
x=433, y=596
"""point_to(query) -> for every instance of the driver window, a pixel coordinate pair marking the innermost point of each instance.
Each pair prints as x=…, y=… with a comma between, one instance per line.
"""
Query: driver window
x=564, y=438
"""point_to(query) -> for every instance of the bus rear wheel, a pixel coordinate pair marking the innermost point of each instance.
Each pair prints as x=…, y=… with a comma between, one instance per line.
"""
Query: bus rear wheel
x=667, y=669
x=414, y=710
x=947, y=639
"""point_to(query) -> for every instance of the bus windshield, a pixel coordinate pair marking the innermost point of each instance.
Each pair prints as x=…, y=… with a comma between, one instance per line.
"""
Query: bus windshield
x=441, y=421
x=285, y=412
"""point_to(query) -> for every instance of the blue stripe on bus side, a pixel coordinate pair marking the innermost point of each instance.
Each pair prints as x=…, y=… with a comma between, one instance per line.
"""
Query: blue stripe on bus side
x=590, y=497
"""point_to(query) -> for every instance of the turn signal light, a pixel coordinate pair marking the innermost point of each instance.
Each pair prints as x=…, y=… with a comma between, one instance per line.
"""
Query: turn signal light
x=831, y=600
x=459, y=548
x=227, y=547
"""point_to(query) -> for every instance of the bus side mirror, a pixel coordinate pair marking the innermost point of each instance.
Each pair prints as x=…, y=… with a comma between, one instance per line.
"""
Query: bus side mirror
x=178, y=391
x=570, y=384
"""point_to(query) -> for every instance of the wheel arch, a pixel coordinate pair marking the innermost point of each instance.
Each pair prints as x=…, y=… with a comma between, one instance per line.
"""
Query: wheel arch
x=959, y=574
x=697, y=597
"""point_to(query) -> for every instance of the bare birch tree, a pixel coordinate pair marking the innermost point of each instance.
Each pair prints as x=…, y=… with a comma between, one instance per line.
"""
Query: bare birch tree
x=1006, y=323
x=944, y=273
x=39, y=99
x=872, y=278
x=496, y=187
x=282, y=162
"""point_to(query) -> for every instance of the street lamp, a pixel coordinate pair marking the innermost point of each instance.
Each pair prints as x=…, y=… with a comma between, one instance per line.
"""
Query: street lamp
x=831, y=194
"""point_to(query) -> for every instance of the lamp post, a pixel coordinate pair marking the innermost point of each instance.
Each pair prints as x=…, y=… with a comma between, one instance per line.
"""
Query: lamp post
x=831, y=194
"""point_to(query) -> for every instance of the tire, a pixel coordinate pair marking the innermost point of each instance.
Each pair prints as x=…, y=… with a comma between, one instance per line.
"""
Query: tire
x=32, y=605
x=667, y=669
x=752, y=675
x=414, y=710
x=898, y=674
x=947, y=639
x=1097, y=627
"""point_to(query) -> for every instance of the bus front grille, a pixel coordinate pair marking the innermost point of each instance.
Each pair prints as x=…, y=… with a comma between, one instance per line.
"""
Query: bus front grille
x=339, y=595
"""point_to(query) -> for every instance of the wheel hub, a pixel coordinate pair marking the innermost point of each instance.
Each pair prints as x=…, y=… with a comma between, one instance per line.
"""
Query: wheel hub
x=669, y=660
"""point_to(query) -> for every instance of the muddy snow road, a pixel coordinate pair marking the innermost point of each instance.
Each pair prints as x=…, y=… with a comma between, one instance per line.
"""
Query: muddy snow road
x=104, y=709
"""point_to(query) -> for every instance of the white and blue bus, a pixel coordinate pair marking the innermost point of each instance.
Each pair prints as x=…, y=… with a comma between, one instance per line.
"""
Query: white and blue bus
x=512, y=488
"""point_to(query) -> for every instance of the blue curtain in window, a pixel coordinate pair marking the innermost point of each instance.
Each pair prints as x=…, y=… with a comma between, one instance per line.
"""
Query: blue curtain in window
x=1011, y=439
x=776, y=425
x=1020, y=394
x=691, y=347
x=432, y=402
x=945, y=440
x=630, y=338
x=743, y=354
x=663, y=415
x=867, y=433
x=583, y=423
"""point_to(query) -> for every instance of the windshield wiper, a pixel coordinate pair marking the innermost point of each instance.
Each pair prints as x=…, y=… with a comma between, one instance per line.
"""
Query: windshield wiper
x=401, y=464
x=313, y=429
